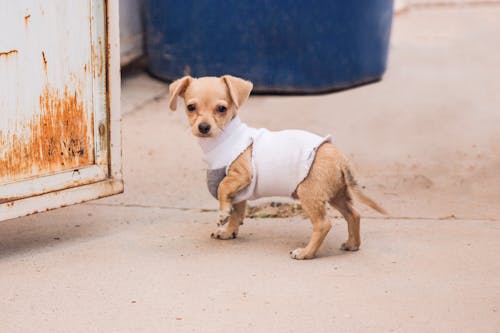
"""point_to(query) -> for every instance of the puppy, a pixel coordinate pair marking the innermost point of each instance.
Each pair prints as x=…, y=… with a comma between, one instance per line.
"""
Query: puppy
x=247, y=163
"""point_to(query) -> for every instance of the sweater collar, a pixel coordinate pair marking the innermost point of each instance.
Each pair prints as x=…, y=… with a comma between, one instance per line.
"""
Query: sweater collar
x=208, y=144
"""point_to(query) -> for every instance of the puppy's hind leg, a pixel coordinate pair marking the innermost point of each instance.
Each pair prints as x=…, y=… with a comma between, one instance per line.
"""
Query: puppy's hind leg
x=321, y=226
x=343, y=204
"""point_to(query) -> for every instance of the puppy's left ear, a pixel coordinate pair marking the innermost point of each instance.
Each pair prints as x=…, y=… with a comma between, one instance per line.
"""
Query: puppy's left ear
x=239, y=89
x=177, y=88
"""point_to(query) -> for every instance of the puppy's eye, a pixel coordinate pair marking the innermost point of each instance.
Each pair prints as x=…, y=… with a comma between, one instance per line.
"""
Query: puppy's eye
x=221, y=109
x=191, y=107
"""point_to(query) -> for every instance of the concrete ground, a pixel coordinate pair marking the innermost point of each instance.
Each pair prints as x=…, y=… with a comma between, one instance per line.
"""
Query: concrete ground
x=426, y=143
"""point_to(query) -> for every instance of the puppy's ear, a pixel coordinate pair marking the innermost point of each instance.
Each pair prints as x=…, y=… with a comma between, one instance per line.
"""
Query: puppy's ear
x=177, y=88
x=239, y=89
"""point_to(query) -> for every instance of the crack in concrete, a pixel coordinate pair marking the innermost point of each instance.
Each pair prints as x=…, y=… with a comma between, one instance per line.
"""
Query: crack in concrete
x=147, y=102
x=371, y=217
x=202, y=210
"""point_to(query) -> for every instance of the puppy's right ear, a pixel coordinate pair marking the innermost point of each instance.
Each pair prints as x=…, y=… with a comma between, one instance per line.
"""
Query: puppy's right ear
x=177, y=88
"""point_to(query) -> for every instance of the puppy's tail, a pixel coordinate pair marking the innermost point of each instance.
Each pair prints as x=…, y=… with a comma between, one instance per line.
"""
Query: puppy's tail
x=355, y=191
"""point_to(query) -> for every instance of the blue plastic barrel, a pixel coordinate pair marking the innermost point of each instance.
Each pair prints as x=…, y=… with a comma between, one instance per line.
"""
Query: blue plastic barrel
x=284, y=46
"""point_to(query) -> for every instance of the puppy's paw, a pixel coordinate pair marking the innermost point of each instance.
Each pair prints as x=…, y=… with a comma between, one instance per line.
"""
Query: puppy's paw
x=299, y=254
x=223, y=233
x=349, y=246
x=224, y=217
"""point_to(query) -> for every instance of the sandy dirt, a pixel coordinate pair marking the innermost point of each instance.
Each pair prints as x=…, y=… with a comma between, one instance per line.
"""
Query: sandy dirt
x=426, y=144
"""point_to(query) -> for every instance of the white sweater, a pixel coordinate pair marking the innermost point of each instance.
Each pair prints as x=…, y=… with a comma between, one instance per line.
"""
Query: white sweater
x=280, y=159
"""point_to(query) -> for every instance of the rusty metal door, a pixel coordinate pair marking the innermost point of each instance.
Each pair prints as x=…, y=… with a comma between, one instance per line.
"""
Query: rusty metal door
x=59, y=124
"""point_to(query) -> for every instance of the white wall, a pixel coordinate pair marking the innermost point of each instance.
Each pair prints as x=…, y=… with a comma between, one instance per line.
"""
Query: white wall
x=131, y=30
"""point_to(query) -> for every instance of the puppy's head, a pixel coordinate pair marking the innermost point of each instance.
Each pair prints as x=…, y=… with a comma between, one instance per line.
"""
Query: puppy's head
x=211, y=102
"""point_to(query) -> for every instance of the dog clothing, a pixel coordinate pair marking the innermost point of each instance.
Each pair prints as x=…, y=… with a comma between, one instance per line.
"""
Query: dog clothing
x=280, y=159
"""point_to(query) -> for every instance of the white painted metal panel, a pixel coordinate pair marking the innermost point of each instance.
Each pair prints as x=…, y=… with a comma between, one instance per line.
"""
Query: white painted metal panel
x=46, y=88
x=59, y=104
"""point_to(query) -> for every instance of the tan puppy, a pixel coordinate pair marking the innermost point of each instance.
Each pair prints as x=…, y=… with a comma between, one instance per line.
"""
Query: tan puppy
x=211, y=104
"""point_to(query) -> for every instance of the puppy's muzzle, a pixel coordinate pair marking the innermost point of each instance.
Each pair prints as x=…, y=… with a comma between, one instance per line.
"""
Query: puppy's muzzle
x=204, y=128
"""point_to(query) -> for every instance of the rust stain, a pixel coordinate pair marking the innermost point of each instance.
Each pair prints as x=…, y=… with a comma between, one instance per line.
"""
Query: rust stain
x=7, y=199
x=27, y=20
x=59, y=138
x=7, y=53
x=44, y=62
x=98, y=58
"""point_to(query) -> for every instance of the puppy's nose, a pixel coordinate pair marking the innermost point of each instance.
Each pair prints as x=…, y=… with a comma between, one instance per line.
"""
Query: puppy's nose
x=204, y=128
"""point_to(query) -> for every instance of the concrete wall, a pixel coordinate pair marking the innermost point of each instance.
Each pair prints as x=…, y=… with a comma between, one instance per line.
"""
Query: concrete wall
x=131, y=30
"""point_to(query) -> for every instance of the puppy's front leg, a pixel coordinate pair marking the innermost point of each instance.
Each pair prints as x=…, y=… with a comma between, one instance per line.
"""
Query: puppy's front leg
x=239, y=176
x=230, y=229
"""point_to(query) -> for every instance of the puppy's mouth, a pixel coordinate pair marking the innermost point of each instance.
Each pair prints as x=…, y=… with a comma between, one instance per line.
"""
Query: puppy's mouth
x=211, y=133
x=203, y=135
